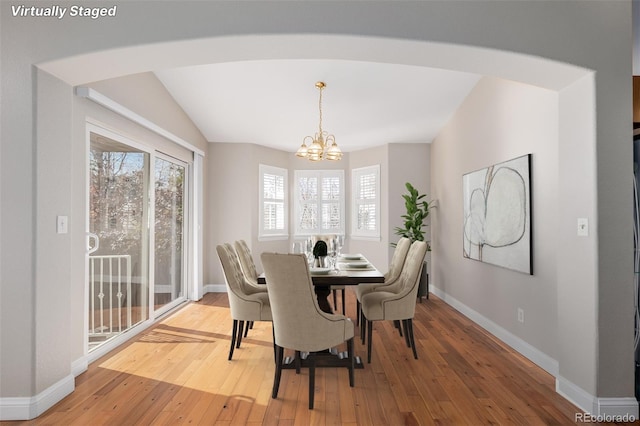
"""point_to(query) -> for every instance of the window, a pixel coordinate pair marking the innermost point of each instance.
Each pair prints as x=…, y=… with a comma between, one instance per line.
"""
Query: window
x=273, y=203
x=365, y=212
x=319, y=202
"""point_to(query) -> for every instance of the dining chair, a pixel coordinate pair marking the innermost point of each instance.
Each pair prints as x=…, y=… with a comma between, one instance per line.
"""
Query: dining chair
x=327, y=238
x=400, y=306
x=298, y=322
x=248, y=265
x=245, y=306
x=391, y=278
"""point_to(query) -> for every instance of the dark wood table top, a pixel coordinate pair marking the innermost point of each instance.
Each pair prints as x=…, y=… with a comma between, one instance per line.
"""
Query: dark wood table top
x=344, y=276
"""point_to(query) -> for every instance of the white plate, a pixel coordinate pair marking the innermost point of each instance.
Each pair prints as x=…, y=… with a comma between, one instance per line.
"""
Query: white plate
x=358, y=264
x=351, y=256
x=320, y=271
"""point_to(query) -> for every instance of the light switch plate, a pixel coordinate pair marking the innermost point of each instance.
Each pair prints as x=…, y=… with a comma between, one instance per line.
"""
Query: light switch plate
x=583, y=227
x=62, y=224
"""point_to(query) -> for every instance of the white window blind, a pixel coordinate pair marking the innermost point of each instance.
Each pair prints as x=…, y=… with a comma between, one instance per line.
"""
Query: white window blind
x=273, y=202
x=365, y=210
x=319, y=205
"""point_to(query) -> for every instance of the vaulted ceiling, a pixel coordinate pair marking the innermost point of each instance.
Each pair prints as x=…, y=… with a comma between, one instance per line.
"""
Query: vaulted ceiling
x=275, y=102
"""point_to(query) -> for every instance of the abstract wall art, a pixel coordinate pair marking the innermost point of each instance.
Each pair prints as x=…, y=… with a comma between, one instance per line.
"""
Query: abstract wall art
x=497, y=214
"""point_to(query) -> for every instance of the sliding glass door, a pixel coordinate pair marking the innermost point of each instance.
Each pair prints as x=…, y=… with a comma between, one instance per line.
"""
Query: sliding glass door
x=138, y=214
x=169, y=271
x=118, y=286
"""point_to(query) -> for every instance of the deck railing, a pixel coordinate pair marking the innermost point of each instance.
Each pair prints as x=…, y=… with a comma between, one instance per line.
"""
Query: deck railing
x=109, y=295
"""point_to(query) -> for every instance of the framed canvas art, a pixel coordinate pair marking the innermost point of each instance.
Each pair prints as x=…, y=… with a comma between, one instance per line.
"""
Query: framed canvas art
x=497, y=214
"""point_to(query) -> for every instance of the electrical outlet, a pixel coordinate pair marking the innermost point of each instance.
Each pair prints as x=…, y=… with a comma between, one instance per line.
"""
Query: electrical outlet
x=521, y=315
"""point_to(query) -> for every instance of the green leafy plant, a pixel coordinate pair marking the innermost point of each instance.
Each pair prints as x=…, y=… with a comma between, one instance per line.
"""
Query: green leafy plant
x=417, y=213
x=320, y=249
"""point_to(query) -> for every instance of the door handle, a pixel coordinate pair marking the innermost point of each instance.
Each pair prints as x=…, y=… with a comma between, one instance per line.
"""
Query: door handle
x=94, y=237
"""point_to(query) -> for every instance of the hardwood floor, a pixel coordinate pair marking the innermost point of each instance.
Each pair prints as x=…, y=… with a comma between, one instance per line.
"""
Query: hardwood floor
x=177, y=372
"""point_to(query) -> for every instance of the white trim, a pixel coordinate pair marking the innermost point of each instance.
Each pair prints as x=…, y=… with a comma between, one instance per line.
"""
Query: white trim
x=536, y=356
x=215, y=288
x=195, y=291
x=374, y=235
x=27, y=408
x=320, y=175
x=100, y=99
x=279, y=237
x=576, y=395
x=273, y=234
x=364, y=238
x=625, y=409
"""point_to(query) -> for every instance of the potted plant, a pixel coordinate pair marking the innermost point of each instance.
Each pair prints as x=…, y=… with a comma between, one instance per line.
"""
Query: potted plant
x=414, y=222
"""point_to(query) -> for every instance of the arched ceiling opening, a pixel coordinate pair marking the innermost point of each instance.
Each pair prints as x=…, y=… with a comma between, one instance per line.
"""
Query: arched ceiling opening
x=260, y=89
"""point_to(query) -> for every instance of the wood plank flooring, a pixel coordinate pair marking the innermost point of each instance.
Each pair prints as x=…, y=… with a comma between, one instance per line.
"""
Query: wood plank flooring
x=177, y=373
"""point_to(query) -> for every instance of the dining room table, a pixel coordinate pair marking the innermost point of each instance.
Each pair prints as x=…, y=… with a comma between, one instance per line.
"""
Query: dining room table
x=349, y=270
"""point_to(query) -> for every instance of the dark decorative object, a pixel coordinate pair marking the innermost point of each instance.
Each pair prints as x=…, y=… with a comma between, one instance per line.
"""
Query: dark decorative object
x=320, y=249
x=320, y=253
x=417, y=213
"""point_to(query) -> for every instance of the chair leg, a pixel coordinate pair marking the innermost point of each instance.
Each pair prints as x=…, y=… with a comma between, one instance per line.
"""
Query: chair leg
x=413, y=341
x=275, y=352
x=370, y=337
x=247, y=326
x=406, y=333
x=298, y=361
x=352, y=363
x=335, y=300
x=396, y=323
x=363, y=327
x=240, y=329
x=344, y=310
x=276, y=378
x=357, y=312
x=233, y=338
x=312, y=378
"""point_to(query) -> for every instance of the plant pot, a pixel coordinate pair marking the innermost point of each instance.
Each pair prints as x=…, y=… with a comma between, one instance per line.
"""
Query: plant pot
x=321, y=262
x=423, y=285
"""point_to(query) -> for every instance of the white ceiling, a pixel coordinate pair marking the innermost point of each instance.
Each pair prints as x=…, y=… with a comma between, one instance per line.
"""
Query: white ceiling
x=275, y=102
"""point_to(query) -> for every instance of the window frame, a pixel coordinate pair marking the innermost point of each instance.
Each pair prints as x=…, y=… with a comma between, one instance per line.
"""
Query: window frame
x=276, y=234
x=356, y=174
x=320, y=174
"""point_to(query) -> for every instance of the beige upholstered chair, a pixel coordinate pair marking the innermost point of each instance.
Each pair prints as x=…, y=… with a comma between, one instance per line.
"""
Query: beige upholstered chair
x=334, y=288
x=400, y=306
x=248, y=265
x=245, y=306
x=391, y=278
x=298, y=322
x=250, y=274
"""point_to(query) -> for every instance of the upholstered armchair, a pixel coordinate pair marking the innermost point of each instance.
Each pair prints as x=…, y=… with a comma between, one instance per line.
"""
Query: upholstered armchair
x=391, y=278
x=248, y=266
x=298, y=322
x=245, y=306
x=396, y=306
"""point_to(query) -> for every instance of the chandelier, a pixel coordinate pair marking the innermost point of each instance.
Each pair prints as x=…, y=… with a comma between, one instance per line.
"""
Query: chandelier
x=322, y=145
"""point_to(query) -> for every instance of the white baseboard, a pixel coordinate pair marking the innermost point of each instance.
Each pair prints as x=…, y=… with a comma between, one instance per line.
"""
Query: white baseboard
x=215, y=288
x=27, y=408
x=536, y=356
x=603, y=409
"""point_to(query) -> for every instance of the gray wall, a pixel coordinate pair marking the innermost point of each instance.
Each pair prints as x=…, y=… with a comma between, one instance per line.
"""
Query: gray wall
x=594, y=116
x=498, y=121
